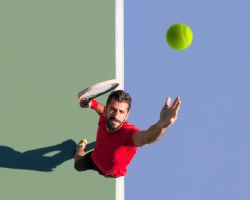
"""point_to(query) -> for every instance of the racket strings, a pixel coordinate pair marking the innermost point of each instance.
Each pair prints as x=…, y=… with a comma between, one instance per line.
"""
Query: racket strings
x=96, y=91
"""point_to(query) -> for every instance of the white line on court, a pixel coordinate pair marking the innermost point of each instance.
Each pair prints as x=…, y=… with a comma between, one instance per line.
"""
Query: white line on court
x=119, y=62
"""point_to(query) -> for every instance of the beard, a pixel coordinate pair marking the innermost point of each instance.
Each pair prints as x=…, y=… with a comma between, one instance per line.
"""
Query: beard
x=111, y=127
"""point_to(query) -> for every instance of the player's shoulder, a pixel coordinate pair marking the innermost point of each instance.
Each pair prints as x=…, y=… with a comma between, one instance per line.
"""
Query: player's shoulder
x=102, y=118
x=127, y=124
x=130, y=126
x=129, y=130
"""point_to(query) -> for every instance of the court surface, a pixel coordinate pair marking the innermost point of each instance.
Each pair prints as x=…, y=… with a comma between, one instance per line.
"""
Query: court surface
x=205, y=155
x=49, y=51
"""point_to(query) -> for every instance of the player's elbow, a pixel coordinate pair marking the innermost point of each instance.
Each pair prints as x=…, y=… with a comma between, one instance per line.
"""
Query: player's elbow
x=140, y=139
x=140, y=144
x=150, y=139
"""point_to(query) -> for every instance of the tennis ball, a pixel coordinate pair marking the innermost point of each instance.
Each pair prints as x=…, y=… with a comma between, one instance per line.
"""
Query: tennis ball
x=179, y=36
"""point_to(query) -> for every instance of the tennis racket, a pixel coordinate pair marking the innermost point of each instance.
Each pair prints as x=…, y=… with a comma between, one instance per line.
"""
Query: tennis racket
x=96, y=90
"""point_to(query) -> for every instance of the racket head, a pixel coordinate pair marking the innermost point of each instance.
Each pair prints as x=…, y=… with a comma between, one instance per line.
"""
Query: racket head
x=98, y=89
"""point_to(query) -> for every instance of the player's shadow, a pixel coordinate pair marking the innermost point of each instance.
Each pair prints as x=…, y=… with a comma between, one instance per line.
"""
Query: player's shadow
x=37, y=159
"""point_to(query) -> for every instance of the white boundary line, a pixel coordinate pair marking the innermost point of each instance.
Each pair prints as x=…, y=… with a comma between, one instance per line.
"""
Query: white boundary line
x=119, y=41
x=119, y=62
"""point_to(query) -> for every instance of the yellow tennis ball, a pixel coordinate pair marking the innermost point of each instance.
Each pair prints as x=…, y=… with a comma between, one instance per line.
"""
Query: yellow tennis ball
x=179, y=36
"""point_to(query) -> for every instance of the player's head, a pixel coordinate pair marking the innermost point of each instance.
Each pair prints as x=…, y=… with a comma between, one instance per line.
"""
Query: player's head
x=120, y=96
x=117, y=109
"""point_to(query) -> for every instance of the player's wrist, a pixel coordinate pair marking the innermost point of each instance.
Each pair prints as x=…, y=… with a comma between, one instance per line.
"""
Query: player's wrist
x=93, y=104
x=161, y=124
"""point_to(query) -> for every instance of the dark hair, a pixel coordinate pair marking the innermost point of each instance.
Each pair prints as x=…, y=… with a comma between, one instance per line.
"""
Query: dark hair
x=120, y=96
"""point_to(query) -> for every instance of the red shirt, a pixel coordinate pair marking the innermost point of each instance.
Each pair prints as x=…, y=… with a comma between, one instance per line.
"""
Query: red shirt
x=114, y=150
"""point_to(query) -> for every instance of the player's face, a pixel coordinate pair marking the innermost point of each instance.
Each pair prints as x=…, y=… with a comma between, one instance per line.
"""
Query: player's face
x=117, y=113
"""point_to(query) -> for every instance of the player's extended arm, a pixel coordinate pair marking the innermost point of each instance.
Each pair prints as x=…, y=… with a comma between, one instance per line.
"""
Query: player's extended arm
x=154, y=133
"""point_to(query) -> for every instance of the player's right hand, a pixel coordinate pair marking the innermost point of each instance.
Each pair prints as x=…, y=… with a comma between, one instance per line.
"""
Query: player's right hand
x=84, y=103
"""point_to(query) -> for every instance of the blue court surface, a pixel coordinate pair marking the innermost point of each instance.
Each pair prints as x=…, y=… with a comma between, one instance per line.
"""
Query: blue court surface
x=205, y=155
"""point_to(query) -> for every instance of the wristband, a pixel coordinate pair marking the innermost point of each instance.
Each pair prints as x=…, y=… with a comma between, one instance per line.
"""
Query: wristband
x=94, y=104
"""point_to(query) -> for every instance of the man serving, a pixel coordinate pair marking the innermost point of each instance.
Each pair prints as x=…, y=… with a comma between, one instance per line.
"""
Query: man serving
x=117, y=140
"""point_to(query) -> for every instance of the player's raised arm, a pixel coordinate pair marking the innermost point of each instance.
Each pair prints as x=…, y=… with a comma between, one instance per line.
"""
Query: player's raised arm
x=88, y=96
x=93, y=104
x=168, y=116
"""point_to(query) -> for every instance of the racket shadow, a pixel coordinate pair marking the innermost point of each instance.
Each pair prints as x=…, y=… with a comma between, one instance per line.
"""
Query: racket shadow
x=37, y=159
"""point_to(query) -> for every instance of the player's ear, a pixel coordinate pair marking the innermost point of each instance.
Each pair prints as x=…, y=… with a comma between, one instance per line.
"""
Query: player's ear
x=128, y=114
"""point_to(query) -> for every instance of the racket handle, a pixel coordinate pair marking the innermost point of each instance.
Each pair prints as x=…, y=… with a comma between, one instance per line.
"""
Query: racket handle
x=84, y=103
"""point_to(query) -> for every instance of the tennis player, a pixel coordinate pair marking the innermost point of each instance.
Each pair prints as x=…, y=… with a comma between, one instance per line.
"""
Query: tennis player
x=117, y=140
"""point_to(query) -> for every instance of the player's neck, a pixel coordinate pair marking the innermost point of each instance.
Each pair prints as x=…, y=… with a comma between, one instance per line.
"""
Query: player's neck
x=111, y=130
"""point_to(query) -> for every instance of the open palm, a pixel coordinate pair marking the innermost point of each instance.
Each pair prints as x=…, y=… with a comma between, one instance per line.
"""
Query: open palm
x=169, y=113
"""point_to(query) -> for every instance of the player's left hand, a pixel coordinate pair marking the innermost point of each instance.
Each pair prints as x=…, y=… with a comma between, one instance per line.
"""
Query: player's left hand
x=169, y=114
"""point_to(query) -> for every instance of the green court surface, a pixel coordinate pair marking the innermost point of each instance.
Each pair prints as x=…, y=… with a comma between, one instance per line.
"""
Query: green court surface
x=49, y=50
